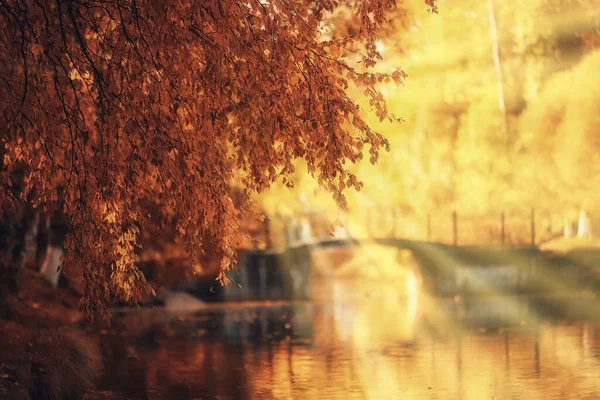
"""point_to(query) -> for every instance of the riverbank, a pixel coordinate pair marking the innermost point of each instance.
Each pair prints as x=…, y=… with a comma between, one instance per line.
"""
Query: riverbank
x=44, y=351
x=571, y=244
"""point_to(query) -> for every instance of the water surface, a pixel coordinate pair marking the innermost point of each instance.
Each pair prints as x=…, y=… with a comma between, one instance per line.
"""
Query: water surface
x=361, y=340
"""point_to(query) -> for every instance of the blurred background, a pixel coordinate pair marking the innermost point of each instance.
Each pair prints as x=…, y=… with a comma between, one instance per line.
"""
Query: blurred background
x=500, y=117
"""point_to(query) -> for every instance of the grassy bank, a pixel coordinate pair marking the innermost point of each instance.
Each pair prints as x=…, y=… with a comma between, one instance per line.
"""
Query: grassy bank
x=44, y=352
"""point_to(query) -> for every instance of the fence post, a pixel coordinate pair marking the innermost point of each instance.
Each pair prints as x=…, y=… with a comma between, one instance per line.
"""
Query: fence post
x=502, y=227
x=429, y=227
x=532, y=227
x=287, y=231
x=395, y=215
x=267, y=228
x=454, y=229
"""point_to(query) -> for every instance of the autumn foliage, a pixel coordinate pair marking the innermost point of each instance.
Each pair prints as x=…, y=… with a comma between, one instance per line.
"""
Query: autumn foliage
x=109, y=104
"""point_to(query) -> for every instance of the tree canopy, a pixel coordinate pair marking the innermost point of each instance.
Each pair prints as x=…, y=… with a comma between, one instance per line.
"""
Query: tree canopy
x=110, y=104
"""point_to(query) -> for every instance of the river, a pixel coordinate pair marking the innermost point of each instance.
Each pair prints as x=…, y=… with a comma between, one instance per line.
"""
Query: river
x=360, y=340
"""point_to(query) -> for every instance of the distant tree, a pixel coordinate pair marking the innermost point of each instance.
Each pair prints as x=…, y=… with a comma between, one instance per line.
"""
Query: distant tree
x=109, y=103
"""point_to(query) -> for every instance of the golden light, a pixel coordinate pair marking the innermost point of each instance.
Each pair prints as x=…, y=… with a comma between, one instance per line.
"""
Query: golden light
x=500, y=116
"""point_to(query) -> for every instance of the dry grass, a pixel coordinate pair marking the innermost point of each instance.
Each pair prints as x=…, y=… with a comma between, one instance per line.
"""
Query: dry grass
x=65, y=365
x=41, y=355
x=46, y=364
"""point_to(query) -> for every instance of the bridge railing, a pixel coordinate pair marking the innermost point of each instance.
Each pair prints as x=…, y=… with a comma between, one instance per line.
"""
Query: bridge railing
x=525, y=228
x=511, y=229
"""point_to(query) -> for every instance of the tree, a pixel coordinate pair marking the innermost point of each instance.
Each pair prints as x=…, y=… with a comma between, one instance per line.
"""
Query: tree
x=108, y=104
x=561, y=131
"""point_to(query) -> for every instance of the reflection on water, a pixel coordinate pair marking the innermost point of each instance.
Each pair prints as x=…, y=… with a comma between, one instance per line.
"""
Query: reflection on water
x=364, y=340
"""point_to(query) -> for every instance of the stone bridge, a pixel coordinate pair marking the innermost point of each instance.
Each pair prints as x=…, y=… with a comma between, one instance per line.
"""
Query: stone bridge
x=444, y=269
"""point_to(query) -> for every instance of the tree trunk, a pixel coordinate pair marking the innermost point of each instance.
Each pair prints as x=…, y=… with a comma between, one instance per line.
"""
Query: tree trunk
x=498, y=67
x=584, y=228
x=10, y=250
x=568, y=228
x=58, y=229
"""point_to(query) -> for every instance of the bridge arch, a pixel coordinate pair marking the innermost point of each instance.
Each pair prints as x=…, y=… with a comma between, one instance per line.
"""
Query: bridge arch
x=425, y=254
x=448, y=269
x=286, y=274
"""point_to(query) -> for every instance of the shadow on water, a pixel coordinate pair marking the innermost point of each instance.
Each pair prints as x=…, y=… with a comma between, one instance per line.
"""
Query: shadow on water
x=360, y=340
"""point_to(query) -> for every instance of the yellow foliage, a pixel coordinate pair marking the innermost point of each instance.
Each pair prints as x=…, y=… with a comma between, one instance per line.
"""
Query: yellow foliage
x=456, y=149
